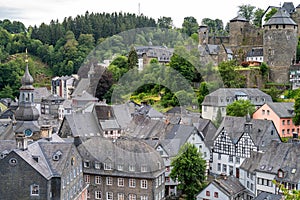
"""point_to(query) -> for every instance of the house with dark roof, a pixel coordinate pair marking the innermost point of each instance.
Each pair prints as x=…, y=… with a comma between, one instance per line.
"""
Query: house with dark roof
x=236, y=139
x=280, y=162
x=122, y=169
x=268, y=196
x=219, y=99
x=281, y=113
x=225, y=188
x=255, y=56
x=41, y=170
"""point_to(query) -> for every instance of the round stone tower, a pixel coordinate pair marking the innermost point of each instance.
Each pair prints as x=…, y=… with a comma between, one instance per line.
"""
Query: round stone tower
x=280, y=44
x=203, y=34
x=237, y=30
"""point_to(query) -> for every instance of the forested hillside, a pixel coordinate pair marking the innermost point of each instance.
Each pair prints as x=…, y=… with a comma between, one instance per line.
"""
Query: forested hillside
x=58, y=47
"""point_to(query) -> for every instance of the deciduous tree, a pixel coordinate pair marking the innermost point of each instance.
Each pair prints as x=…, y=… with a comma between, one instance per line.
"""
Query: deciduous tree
x=189, y=170
x=240, y=108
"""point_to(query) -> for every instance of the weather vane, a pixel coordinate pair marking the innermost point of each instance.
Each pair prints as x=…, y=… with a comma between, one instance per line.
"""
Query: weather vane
x=26, y=56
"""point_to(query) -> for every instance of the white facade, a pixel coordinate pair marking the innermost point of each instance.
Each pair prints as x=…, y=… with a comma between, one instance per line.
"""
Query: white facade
x=264, y=182
x=248, y=180
x=212, y=192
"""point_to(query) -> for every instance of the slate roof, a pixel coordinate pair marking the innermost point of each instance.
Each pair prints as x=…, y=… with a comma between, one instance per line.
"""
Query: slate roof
x=282, y=109
x=44, y=151
x=40, y=93
x=230, y=185
x=219, y=97
x=109, y=124
x=212, y=49
x=83, y=124
x=284, y=156
x=123, y=151
x=83, y=85
x=84, y=96
x=280, y=18
x=239, y=18
x=163, y=54
x=123, y=113
x=254, y=52
x=289, y=7
x=252, y=163
x=268, y=196
x=260, y=134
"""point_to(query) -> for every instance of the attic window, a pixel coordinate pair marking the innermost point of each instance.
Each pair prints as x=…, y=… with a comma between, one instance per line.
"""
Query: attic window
x=294, y=170
x=56, y=156
x=280, y=173
x=262, y=167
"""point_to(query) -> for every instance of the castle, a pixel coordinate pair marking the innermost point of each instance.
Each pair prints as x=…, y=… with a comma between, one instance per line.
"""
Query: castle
x=277, y=39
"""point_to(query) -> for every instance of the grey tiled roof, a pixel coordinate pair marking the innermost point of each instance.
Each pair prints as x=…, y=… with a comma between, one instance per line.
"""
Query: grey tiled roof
x=239, y=18
x=83, y=85
x=289, y=7
x=84, y=96
x=284, y=156
x=260, y=134
x=255, y=52
x=280, y=18
x=40, y=93
x=125, y=152
x=83, y=125
x=220, y=96
x=282, y=109
x=252, y=163
x=109, y=124
x=268, y=196
x=123, y=113
x=229, y=185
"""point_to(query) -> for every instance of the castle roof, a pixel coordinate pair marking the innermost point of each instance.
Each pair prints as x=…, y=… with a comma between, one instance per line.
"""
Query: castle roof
x=239, y=18
x=281, y=17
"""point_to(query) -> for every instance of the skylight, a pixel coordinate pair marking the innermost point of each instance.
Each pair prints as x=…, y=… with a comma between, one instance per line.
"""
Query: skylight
x=294, y=170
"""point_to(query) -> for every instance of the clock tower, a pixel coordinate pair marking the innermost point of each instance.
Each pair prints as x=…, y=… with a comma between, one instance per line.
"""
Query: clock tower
x=27, y=114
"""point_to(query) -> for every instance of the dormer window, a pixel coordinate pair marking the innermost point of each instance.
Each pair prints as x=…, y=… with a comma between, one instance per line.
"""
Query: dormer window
x=86, y=164
x=131, y=168
x=280, y=173
x=107, y=166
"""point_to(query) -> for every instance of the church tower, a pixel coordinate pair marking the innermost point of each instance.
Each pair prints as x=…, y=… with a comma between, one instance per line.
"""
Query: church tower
x=280, y=41
x=27, y=114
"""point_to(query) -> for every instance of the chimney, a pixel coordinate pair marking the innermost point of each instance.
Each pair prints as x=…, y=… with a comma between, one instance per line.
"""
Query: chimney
x=46, y=132
x=22, y=142
x=77, y=141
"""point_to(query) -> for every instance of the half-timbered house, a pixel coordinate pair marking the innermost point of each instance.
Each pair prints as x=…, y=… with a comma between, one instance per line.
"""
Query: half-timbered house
x=235, y=139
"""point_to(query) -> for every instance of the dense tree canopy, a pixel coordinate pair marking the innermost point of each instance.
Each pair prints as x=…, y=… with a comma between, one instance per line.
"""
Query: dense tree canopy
x=231, y=78
x=189, y=170
x=190, y=25
x=240, y=108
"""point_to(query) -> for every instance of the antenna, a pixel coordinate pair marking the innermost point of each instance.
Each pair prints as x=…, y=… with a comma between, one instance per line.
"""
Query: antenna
x=139, y=6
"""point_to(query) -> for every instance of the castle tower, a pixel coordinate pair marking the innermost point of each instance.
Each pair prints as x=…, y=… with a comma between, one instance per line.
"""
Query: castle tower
x=203, y=34
x=26, y=115
x=237, y=30
x=280, y=44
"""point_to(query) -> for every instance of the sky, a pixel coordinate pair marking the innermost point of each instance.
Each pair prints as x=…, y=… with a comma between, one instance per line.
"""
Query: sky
x=34, y=12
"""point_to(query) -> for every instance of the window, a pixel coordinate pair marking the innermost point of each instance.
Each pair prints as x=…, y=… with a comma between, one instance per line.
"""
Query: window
x=120, y=167
x=107, y=166
x=268, y=112
x=143, y=168
x=280, y=174
x=251, y=186
x=230, y=169
x=144, y=184
x=88, y=195
x=87, y=178
x=282, y=131
x=109, y=196
x=109, y=181
x=224, y=168
x=283, y=122
x=208, y=193
x=132, y=197
x=132, y=183
x=263, y=112
x=288, y=131
x=121, y=196
x=97, y=165
x=216, y=195
x=167, y=179
x=144, y=197
x=230, y=158
x=219, y=166
x=121, y=182
x=288, y=122
x=86, y=164
x=34, y=190
x=167, y=168
x=131, y=168
x=98, y=194
x=219, y=156
x=97, y=179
